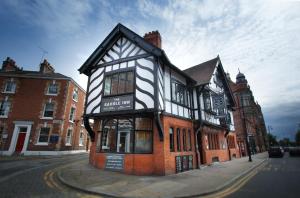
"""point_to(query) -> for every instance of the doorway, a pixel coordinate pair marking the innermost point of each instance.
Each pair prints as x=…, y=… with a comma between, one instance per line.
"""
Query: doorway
x=123, y=141
x=21, y=138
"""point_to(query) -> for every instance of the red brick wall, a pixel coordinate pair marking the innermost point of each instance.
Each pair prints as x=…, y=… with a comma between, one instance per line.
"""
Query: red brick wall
x=161, y=161
x=27, y=104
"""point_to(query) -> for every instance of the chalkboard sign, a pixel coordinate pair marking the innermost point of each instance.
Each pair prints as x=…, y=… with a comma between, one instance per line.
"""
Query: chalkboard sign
x=190, y=162
x=178, y=164
x=54, y=139
x=114, y=162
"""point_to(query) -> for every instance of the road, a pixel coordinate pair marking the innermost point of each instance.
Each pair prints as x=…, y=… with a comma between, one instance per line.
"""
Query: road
x=35, y=177
x=280, y=177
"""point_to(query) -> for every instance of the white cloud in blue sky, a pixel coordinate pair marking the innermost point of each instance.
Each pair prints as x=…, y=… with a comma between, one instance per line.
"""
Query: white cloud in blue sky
x=260, y=37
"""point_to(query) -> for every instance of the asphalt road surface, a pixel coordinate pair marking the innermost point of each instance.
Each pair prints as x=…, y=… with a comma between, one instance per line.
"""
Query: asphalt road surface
x=280, y=177
x=35, y=177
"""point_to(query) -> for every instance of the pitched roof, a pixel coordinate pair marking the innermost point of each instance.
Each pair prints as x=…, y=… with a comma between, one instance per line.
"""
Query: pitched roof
x=113, y=35
x=39, y=75
x=33, y=74
x=203, y=72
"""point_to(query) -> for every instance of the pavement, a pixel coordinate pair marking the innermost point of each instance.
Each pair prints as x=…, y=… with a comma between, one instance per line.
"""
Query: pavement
x=199, y=182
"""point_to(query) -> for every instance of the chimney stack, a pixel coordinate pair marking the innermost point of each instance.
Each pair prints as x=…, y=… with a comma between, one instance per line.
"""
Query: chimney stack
x=9, y=65
x=46, y=68
x=154, y=38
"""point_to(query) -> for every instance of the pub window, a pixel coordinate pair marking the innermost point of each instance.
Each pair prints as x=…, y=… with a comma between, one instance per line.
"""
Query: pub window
x=69, y=137
x=108, y=139
x=52, y=89
x=4, y=108
x=118, y=83
x=179, y=93
x=143, y=135
x=184, y=140
x=171, y=132
x=44, y=135
x=178, y=140
x=49, y=109
x=206, y=100
x=189, y=141
x=10, y=87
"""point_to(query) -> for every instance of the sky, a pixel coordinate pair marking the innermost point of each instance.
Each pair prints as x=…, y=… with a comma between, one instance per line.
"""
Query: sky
x=259, y=37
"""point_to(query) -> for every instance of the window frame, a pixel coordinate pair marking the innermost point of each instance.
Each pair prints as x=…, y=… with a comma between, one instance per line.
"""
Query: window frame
x=132, y=134
x=178, y=140
x=45, y=117
x=6, y=112
x=52, y=94
x=186, y=93
x=171, y=140
x=118, y=72
x=70, y=137
x=38, y=140
x=81, y=139
x=73, y=115
x=75, y=90
x=14, y=87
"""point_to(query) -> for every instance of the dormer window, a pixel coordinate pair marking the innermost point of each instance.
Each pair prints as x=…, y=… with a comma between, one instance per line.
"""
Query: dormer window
x=52, y=89
x=10, y=87
x=75, y=94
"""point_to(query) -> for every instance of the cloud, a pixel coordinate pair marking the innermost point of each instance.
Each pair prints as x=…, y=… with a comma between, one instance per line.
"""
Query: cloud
x=53, y=17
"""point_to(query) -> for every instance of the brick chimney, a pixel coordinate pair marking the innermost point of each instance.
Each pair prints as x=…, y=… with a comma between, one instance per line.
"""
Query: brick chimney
x=46, y=68
x=9, y=65
x=154, y=38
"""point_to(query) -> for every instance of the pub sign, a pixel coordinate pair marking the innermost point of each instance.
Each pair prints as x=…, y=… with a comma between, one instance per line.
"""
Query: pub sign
x=117, y=103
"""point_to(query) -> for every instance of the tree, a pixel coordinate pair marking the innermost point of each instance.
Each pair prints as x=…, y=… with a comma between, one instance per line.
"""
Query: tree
x=297, y=137
x=272, y=139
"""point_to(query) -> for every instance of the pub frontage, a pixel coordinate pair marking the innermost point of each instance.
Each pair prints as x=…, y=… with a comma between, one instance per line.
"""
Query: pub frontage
x=146, y=111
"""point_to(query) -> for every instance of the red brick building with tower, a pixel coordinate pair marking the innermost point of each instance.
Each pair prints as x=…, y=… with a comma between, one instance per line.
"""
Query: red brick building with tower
x=40, y=112
x=150, y=117
x=248, y=118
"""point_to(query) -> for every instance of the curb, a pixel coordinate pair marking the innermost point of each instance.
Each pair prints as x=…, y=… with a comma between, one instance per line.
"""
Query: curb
x=211, y=192
x=227, y=184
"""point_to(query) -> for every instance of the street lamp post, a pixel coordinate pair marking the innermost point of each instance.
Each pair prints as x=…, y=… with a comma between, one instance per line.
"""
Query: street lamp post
x=245, y=129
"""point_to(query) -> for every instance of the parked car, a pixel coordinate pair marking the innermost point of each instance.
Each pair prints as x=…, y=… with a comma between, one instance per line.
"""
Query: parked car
x=276, y=151
x=294, y=151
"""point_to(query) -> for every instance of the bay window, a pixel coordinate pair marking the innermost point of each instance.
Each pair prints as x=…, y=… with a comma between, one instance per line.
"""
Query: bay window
x=127, y=135
x=206, y=100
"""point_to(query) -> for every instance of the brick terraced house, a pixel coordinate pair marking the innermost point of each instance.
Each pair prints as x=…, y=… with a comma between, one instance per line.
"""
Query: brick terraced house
x=150, y=117
x=40, y=112
x=253, y=126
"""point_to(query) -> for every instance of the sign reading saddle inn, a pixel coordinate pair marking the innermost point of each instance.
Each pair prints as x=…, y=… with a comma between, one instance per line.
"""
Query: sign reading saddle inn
x=117, y=103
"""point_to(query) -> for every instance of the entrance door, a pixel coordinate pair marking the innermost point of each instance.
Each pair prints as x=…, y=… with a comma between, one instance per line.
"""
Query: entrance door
x=21, y=139
x=123, y=141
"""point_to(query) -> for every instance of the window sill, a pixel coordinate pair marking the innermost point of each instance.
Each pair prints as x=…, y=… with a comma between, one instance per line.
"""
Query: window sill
x=80, y=145
x=74, y=100
x=41, y=144
x=49, y=94
x=9, y=92
x=70, y=121
x=47, y=118
x=68, y=144
x=4, y=116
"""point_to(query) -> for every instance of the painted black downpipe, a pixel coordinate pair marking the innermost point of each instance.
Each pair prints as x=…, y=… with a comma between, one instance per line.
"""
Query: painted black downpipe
x=89, y=128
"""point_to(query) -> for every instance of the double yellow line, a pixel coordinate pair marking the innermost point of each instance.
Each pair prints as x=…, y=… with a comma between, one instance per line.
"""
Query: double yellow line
x=49, y=179
x=237, y=185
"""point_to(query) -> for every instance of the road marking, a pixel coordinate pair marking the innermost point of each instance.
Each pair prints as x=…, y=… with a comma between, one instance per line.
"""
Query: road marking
x=238, y=185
